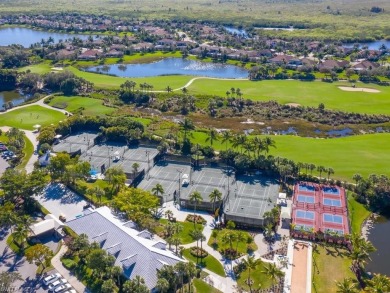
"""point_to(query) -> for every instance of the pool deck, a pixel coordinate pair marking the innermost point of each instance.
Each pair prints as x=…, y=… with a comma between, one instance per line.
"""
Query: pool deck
x=298, y=278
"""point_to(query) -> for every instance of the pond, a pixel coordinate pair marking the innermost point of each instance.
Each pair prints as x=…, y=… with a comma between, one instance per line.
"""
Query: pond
x=11, y=96
x=27, y=36
x=172, y=66
x=371, y=45
x=379, y=236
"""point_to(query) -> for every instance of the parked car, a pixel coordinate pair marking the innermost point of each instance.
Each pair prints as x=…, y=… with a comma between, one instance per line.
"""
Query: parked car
x=57, y=283
x=71, y=291
x=51, y=278
x=62, y=288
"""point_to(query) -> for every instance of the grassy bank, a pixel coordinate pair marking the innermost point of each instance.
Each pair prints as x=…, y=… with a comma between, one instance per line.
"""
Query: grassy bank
x=209, y=262
x=358, y=213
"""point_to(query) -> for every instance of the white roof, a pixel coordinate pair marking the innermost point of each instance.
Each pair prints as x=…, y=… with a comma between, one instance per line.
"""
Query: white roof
x=50, y=223
x=185, y=176
x=282, y=195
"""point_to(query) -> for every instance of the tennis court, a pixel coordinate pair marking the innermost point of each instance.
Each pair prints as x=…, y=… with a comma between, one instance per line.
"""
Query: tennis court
x=80, y=142
x=251, y=196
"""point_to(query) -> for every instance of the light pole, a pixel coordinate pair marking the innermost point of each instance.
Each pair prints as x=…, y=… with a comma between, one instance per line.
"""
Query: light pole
x=179, y=171
x=147, y=152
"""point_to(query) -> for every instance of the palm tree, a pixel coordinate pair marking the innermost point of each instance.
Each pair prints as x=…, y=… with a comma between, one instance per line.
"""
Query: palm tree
x=329, y=171
x=268, y=142
x=191, y=273
x=162, y=285
x=378, y=284
x=229, y=237
x=135, y=167
x=215, y=196
x=168, y=89
x=186, y=125
x=320, y=169
x=311, y=168
x=250, y=263
x=273, y=273
x=158, y=190
x=184, y=90
x=20, y=234
x=347, y=286
x=240, y=237
x=226, y=137
x=361, y=249
x=195, y=198
x=212, y=136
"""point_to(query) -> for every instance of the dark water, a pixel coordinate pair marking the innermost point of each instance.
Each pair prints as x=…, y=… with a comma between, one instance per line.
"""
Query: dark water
x=340, y=132
x=172, y=66
x=11, y=96
x=379, y=236
x=27, y=37
x=371, y=45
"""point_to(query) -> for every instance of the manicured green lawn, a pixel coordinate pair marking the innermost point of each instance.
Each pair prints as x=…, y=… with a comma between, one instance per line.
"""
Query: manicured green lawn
x=185, y=234
x=357, y=213
x=330, y=264
x=220, y=245
x=304, y=93
x=202, y=287
x=15, y=248
x=27, y=117
x=40, y=68
x=159, y=83
x=83, y=186
x=364, y=154
x=92, y=107
x=28, y=151
x=209, y=262
x=260, y=279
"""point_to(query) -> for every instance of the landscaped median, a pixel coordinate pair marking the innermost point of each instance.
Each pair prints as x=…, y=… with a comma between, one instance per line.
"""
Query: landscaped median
x=209, y=262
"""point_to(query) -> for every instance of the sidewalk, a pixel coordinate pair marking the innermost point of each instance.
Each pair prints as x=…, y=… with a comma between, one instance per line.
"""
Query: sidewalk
x=57, y=264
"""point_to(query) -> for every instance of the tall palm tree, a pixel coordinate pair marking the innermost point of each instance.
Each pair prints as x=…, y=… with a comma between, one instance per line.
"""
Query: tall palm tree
x=212, y=136
x=191, y=273
x=329, y=171
x=162, y=285
x=268, y=142
x=361, y=249
x=311, y=168
x=186, y=125
x=158, y=190
x=215, y=196
x=250, y=263
x=229, y=237
x=226, y=137
x=273, y=273
x=320, y=169
x=195, y=198
x=240, y=237
x=347, y=286
x=168, y=89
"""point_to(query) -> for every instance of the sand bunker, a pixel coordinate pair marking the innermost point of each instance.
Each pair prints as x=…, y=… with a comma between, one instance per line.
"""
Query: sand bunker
x=57, y=68
x=294, y=105
x=358, y=89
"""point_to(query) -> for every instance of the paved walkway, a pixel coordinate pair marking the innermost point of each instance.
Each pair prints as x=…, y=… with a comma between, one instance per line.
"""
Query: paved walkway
x=301, y=268
x=57, y=264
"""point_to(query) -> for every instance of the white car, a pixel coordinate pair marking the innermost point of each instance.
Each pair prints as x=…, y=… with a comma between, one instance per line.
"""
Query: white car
x=51, y=278
x=62, y=288
x=71, y=291
x=57, y=283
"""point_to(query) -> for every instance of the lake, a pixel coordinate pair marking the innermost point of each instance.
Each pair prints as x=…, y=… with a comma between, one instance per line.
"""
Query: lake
x=27, y=36
x=11, y=96
x=172, y=66
x=379, y=236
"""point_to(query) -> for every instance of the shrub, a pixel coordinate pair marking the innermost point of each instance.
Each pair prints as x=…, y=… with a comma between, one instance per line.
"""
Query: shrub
x=198, y=252
x=68, y=263
x=195, y=218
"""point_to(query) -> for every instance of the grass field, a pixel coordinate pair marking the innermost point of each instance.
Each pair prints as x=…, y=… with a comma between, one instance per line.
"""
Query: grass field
x=303, y=93
x=28, y=151
x=364, y=154
x=92, y=107
x=220, y=244
x=185, y=235
x=203, y=287
x=209, y=262
x=358, y=213
x=330, y=264
x=260, y=279
x=27, y=117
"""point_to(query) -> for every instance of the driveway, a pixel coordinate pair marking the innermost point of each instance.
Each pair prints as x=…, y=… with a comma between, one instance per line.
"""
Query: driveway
x=9, y=261
x=3, y=166
x=58, y=199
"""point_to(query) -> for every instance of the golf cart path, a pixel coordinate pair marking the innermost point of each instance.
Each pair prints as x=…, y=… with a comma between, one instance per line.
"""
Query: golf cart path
x=37, y=103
